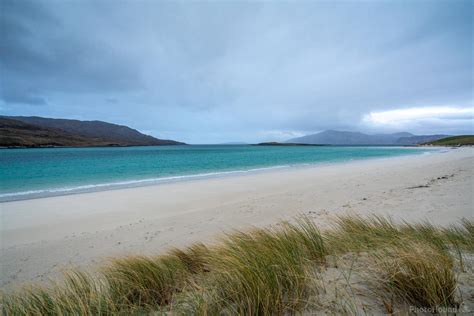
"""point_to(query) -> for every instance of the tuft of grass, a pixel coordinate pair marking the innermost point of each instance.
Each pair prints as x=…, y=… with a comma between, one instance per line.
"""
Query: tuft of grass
x=144, y=281
x=264, y=271
x=461, y=235
x=419, y=273
x=195, y=258
x=79, y=294
x=307, y=236
x=352, y=233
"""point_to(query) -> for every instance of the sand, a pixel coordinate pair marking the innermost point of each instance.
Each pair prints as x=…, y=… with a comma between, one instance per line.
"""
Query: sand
x=40, y=237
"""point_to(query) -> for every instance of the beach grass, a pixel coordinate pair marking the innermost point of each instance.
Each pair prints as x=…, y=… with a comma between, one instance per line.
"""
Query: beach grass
x=419, y=273
x=78, y=294
x=352, y=233
x=263, y=271
x=144, y=281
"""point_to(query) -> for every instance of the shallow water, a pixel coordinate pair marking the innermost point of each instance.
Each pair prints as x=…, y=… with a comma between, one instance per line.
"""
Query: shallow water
x=29, y=173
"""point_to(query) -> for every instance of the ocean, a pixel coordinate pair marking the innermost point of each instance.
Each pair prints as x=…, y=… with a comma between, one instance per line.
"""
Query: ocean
x=33, y=173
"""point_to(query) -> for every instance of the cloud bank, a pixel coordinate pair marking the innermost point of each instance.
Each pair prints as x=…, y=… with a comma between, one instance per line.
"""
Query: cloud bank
x=447, y=118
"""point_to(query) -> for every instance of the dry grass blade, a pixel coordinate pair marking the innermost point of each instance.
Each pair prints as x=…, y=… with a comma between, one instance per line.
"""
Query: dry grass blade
x=263, y=272
x=79, y=294
x=419, y=273
x=145, y=281
x=195, y=258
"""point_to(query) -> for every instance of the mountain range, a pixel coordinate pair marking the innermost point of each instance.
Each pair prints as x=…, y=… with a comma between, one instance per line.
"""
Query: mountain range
x=33, y=131
x=331, y=137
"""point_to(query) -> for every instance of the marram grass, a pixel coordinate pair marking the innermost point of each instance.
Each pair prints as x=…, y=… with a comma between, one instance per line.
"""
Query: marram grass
x=144, y=281
x=352, y=233
x=78, y=294
x=419, y=273
x=265, y=271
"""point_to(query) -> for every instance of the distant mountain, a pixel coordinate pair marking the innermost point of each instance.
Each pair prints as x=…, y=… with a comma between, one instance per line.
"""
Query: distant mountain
x=331, y=137
x=32, y=131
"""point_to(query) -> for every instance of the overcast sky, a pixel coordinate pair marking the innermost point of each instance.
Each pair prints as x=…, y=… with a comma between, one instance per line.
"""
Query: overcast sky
x=212, y=72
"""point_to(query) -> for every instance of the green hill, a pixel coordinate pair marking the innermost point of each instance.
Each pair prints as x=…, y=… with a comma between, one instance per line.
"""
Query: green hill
x=461, y=140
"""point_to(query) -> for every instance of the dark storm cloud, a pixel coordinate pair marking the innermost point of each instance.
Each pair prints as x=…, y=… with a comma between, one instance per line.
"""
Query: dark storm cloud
x=218, y=71
x=40, y=55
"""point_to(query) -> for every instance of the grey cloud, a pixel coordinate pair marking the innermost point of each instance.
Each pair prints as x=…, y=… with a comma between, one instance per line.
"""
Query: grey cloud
x=217, y=70
x=23, y=98
x=39, y=53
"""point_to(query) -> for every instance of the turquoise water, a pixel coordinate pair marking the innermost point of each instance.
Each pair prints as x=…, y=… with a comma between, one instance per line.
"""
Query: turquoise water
x=30, y=173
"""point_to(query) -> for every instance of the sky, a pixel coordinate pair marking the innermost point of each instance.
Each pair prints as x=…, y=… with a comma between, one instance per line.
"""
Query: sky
x=241, y=71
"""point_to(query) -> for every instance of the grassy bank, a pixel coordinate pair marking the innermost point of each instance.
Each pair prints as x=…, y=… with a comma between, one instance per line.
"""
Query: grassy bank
x=360, y=265
x=462, y=140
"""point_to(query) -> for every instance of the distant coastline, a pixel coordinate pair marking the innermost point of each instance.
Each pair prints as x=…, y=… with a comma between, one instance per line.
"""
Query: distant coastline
x=454, y=141
x=40, y=132
x=86, y=146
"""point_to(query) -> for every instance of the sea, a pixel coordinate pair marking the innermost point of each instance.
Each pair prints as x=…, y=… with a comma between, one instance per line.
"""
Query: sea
x=42, y=172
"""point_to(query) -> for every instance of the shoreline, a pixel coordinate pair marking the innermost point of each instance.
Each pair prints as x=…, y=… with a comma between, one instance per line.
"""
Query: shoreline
x=137, y=183
x=83, y=229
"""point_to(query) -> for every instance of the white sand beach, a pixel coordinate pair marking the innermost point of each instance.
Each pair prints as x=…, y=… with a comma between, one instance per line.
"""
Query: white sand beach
x=40, y=237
